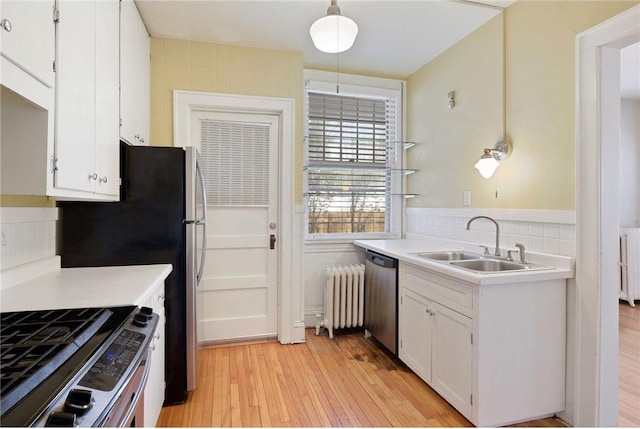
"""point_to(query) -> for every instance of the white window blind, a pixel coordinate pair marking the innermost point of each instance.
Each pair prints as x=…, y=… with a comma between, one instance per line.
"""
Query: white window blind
x=351, y=155
x=235, y=160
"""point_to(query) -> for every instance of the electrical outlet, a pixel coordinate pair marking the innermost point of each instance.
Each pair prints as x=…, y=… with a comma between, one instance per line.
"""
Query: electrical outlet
x=467, y=199
x=4, y=239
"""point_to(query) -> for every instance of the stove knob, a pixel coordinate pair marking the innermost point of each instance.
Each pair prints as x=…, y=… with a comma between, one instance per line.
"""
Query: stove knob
x=79, y=401
x=140, y=320
x=146, y=311
x=58, y=419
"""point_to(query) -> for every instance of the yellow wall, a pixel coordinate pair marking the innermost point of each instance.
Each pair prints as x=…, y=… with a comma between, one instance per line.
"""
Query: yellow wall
x=26, y=201
x=212, y=67
x=540, y=110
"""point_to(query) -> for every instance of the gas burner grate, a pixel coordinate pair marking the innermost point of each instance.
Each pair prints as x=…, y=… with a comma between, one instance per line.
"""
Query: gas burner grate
x=33, y=344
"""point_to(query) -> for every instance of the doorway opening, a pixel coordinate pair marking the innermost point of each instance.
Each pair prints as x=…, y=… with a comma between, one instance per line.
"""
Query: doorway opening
x=598, y=119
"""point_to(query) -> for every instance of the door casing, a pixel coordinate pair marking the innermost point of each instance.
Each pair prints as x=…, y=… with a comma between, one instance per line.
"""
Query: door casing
x=184, y=103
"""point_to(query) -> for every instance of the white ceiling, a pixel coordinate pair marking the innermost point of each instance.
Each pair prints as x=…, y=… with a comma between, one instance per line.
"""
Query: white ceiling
x=421, y=28
x=395, y=38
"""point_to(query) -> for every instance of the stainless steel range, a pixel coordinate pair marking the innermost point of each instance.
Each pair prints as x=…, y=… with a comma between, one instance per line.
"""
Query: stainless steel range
x=74, y=367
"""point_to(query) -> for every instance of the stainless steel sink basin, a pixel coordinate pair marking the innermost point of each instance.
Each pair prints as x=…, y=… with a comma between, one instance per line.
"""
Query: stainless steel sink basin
x=478, y=262
x=489, y=265
x=450, y=255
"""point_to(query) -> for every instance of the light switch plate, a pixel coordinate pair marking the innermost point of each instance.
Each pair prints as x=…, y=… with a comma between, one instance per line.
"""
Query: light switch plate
x=467, y=199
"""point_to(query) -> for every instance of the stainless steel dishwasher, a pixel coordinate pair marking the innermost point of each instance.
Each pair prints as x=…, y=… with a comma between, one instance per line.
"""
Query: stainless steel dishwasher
x=381, y=299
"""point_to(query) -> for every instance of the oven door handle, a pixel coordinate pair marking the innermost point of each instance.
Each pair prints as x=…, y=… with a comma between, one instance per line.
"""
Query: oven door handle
x=146, y=362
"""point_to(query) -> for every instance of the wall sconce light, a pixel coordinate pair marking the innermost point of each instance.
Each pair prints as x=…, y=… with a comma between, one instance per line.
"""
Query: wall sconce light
x=489, y=161
x=333, y=33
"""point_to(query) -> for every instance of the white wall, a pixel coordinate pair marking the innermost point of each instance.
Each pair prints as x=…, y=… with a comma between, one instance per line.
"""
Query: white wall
x=545, y=231
x=28, y=235
x=318, y=257
x=630, y=163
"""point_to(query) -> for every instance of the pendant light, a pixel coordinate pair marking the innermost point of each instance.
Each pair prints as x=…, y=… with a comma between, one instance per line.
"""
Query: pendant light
x=333, y=33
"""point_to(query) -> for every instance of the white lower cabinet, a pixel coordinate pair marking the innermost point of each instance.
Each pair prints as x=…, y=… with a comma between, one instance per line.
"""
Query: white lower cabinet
x=452, y=356
x=415, y=333
x=494, y=350
x=435, y=342
x=154, y=390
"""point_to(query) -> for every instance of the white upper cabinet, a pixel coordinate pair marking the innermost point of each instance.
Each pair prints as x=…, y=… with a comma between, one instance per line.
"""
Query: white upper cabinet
x=134, y=76
x=27, y=53
x=28, y=38
x=87, y=110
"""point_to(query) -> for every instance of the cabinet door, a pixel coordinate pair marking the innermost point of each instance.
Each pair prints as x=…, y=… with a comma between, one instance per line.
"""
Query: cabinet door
x=415, y=333
x=31, y=42
x=107, y=102
x=452, y=357
x=134, y=76
x=144, y=82
x=75, y=96
x=128, y=70
x=154, y=390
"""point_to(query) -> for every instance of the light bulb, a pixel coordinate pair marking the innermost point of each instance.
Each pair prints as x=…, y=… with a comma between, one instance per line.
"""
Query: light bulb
x=487, y=165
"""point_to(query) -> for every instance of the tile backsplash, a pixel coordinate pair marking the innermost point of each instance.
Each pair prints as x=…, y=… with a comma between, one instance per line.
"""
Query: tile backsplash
x=27, y=235
x=539, y=230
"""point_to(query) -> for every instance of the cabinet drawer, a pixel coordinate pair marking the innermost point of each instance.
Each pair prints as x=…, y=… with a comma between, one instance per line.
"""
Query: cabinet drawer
x=449, y=292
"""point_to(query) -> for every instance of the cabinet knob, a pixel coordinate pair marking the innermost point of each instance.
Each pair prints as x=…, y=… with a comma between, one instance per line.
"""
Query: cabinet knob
x=93, y=176
x=137, y=137
x=6, y=25
x=141, y=140
x=103, y=179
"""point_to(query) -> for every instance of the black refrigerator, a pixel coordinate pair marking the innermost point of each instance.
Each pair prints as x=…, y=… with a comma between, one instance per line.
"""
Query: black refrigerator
x=160, y=218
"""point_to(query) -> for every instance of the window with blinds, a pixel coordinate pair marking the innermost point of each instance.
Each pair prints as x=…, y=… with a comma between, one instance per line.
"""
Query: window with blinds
x=350, y=164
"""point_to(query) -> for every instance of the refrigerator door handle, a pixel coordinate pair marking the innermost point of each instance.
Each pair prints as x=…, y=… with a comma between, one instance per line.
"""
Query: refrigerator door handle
x=202, y=221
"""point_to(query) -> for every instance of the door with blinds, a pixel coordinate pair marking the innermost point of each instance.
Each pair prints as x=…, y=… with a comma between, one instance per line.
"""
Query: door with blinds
x=237, y=297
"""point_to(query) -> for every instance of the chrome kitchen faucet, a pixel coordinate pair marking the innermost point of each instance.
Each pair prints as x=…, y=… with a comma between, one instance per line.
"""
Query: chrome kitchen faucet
x=497, y=253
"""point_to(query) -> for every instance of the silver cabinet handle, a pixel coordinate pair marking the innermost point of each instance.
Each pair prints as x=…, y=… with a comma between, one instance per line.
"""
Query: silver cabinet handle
x=6, y=25
x=103, y=179
x=93, y=176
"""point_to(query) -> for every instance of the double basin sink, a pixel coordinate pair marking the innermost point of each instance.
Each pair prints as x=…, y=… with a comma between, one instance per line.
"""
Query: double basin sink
x=477, y=262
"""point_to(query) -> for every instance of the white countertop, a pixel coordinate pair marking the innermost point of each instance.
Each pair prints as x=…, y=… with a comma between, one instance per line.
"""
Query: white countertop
x=405, y=250
x=80, y=287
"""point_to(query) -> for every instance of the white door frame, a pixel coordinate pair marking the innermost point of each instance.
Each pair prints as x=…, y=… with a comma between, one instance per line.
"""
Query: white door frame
x=595, y=362
x=184, y=102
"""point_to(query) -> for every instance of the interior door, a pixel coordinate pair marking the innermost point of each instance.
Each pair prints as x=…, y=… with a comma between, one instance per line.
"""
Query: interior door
x=237, y=296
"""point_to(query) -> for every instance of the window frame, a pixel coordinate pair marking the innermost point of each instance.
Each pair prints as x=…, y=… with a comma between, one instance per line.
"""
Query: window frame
x=363, y=87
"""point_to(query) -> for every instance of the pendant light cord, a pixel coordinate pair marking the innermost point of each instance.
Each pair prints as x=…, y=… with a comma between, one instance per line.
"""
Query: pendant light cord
x=338, y=59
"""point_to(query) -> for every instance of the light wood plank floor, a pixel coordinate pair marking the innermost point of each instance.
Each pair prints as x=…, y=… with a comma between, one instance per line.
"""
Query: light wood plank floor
x=347, y=381
x=629, y=366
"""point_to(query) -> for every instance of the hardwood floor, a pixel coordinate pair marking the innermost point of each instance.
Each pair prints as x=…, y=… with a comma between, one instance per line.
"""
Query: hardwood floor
x=347, y=381
x=629, y=365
